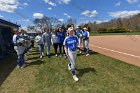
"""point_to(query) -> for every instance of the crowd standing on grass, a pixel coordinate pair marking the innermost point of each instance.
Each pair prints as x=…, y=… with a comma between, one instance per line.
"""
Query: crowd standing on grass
x=69, y=41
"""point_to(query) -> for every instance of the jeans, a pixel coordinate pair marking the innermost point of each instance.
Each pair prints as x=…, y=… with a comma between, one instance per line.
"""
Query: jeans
x=48, y=48
x=20, y=52
x=41, y=48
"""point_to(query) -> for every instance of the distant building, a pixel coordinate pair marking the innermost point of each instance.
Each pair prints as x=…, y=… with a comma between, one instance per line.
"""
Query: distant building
x=32, y=32
x=6, y=44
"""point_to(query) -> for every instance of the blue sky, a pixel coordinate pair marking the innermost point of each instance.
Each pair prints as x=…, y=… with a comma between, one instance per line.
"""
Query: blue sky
x=25, y=11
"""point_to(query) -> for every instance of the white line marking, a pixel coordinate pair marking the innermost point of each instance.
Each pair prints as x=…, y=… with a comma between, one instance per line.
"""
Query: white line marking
x=116, y=51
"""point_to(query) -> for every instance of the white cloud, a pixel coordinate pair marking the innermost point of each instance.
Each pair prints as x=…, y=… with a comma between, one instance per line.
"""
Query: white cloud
x=8, y=5
x=49, y=8
x=50, y=2
x=20, y=7
x=55, y=2
x=89, y=13
x=1, y=16
x=38, y=15
x=67, y=15
x=101, y=21
x=118, y=4
x=132, y=1
x=62, y=20
x=25, y=4
x=86, y=13
x=24, y=20
x=122, y=14
x=93, y=13
x=64, y=1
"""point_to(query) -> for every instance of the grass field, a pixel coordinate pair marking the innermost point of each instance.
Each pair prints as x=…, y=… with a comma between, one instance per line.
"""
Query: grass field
x=101, y=34
x=97, y=74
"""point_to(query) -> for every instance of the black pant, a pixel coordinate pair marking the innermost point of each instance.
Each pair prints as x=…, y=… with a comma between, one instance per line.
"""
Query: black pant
x=61, y=48
x=55, y=47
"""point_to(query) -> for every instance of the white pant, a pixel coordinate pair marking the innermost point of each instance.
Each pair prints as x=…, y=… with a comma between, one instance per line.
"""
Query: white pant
x=72, y=57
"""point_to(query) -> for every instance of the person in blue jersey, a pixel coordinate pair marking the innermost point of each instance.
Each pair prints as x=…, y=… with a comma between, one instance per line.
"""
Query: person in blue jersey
x=39, y=41
x=47, y=40
x=70, y=44
x=79, y=33
x=19, y=47
x=61, y=37
x=86, y=41
x=54, y=40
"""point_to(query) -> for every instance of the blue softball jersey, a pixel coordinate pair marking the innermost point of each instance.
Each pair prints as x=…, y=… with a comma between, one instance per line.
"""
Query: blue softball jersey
x=71, y=43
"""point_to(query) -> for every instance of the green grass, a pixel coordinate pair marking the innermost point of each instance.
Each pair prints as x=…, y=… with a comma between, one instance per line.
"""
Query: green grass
x=97, y=74
x=103, y=34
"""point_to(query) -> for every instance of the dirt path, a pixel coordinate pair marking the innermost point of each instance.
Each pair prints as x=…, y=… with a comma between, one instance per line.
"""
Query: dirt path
x=123, y=47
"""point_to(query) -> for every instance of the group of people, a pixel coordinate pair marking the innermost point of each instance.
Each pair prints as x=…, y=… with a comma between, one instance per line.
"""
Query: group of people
x=57, y=37
x=68, y=41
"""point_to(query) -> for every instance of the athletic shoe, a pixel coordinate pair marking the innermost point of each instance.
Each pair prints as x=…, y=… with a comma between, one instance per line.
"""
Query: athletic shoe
x=56, y=55
x=80, y=52
x=65, y=56
x=42, y=54
x=22, y=66
x=41, y=57
x=60, y=55
x=75, y=78
x=18, y=66
x=69, y=68
x=87, y=54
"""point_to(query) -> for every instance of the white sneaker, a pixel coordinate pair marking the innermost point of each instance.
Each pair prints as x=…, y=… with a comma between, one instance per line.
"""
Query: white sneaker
x=80, y=52
x=75, y=78
x=56, y=55
x=60, y=55
x=40, y=56
x=18, y=66
x=69, y=68
x=22, y=66
x=87, y=54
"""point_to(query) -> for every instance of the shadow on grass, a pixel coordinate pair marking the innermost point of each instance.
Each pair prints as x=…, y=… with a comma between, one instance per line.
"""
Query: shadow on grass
x=36, y=62
x=93, y=52
x=90, y=52
x=81, y=72
x=7, y=65
x=36, y=53
x=33, y=58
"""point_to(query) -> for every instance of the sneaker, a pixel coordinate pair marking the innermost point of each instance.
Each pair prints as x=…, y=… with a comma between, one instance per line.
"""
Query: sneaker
x=65, y=56
x=75, y=78
x=40, y=56
x=69, y=68
x=18, y=66
x=80, y=52
x=22, y=66
x=56, y=55
x=87, y=54
x=60, y=55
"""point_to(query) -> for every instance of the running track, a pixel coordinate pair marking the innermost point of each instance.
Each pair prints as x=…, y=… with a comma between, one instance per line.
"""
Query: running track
x=122, y=47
